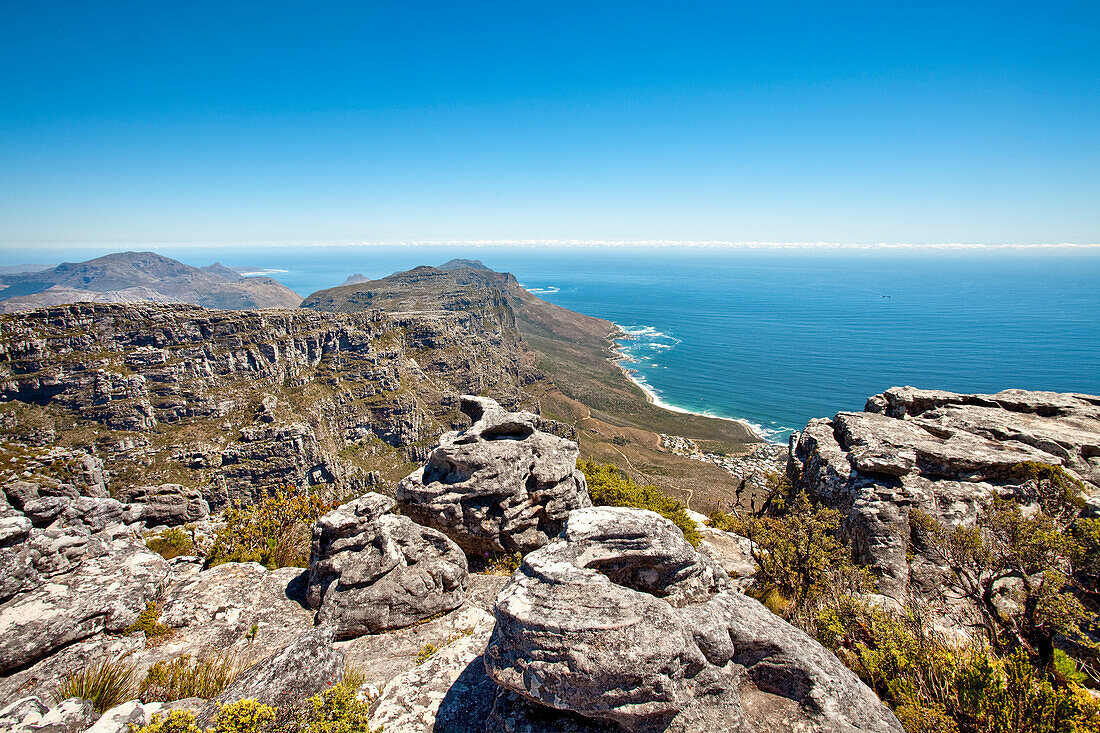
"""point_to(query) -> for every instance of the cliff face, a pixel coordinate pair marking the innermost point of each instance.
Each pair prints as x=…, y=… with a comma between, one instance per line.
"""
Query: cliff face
x=946, y=454
x=130, y=277
x=239, y=402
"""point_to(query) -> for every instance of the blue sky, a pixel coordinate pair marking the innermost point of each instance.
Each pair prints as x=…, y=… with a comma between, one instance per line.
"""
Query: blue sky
x=146, y=122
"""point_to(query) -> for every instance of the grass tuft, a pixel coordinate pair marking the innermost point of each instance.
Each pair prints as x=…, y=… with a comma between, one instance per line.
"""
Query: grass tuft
x=106, y=684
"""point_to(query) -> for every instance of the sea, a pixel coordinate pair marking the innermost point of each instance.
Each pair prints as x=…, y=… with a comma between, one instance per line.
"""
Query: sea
x=776, y=337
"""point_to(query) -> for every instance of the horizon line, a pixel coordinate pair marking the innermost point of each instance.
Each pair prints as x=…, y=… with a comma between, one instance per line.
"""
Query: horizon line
x=570, y=243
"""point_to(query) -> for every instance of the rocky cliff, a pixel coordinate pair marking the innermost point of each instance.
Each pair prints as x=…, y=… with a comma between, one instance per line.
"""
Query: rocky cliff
x=946, y=454
x=237, y=403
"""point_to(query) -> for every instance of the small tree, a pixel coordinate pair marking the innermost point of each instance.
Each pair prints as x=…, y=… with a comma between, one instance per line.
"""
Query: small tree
x=1027, y=556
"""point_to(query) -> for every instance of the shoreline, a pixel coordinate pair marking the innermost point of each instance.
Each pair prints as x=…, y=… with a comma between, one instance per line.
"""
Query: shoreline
x=619, y=358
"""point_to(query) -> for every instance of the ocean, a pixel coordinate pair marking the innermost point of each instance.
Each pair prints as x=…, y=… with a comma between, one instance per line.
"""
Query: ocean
x=776, y=338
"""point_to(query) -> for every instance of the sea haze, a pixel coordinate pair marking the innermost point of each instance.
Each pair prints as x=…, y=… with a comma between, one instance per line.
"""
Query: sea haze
x=777, y=338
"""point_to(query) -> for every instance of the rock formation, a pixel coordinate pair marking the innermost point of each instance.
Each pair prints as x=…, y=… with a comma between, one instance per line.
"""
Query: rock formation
x=371, y=571
x=501, y=485
x=620, y=625
x=285, y=679
x=945, y=453
x=237, y=404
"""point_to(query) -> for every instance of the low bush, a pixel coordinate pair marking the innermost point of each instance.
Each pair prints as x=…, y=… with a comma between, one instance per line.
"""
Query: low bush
x=800, y=559
x=170, y=543
x=149, y=623
x=497, y=564
x=937, y=687
x=275, y=532
x=185, y=676
x=339, y=709
x=610, y=487
x=106, y=684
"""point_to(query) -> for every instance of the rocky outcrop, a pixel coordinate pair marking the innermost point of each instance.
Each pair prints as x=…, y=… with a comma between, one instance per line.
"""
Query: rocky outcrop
x=945, y=453
x=501, y=485
x=32, y=715
x=371, y=571
x=620, y=625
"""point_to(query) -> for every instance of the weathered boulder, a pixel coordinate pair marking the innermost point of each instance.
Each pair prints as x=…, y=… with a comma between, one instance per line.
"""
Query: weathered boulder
x=102, y=593
x=167, y=504
x=945, y=453
x=119, y=718
x=31, y=715
x=619, y=621
x=287, y=678
x=501, y=485
x=370, y=570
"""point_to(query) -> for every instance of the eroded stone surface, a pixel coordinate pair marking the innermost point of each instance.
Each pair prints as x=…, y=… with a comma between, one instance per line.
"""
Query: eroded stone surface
x=371, y=571
x=502, y=485
x=620, y=621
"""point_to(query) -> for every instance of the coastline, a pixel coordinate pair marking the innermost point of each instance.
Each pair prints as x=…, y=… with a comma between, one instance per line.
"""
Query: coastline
x=620, y=358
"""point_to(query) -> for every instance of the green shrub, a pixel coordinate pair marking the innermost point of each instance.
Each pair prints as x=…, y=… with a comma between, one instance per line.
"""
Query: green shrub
x=800, y=558
x=106, y=684
x=497, y=564
x=244, y=716
x=275, y=532
x=184, y=677
x=176, y=721
x=149, y=622
x=170, y=543
x=609, y=487
x=935, y=686
x=339, y=709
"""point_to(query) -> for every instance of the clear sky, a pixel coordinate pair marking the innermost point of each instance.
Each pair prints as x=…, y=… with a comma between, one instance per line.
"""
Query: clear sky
x=145, y=122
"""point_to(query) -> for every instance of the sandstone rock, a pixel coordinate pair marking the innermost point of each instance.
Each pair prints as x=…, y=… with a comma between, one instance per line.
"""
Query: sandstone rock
x=287, y=678
x=216, y=609
x=948, y=454
x=104, y=593
x=41, y=678
x=30, y=715
x=167, y=504
x=370, y=570
x=501, y=485
x=620, y=621
x=119, y=718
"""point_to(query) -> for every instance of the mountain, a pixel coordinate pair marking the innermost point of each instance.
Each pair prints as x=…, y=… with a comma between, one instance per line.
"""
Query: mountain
x=460, y=264
x=614, y=417
x=356, y=279
x=142, y=276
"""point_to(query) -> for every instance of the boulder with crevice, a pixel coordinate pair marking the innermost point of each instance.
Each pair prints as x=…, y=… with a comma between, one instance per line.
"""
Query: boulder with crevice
x=620, y=625
x=503, y=485
x=371, y=570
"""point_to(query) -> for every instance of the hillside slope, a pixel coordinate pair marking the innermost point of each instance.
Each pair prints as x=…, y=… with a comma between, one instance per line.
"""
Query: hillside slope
x=614, y=418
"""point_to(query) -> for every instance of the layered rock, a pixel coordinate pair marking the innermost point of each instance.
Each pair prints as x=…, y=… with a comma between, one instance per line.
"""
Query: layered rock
x=371, y=571
x=502, y=485
x=945, y=453
x=104, y=589
x=262, y=399
x=620, y=625
x=168, y=505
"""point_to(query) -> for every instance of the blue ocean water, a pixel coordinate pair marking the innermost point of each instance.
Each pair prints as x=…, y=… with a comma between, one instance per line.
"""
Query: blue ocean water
x=778, y=337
